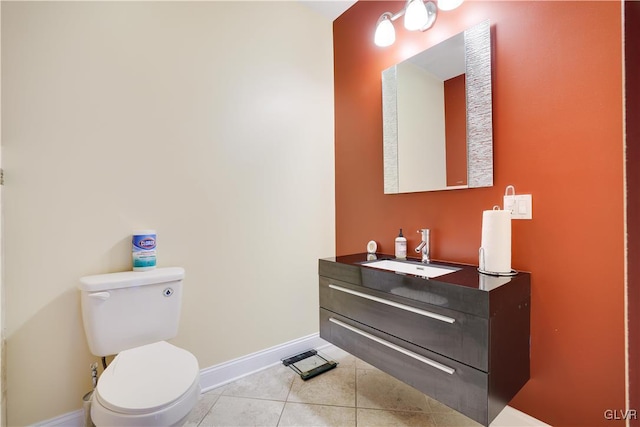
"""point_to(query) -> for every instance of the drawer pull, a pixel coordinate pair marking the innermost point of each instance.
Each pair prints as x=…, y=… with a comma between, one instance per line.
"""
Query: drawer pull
x=404, y=351
x=436, y=316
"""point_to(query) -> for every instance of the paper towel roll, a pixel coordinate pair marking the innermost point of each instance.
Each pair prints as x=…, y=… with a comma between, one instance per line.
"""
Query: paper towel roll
x=495, y=252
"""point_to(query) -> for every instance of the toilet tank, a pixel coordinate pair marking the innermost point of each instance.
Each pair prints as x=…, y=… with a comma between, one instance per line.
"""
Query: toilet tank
x=129, y=309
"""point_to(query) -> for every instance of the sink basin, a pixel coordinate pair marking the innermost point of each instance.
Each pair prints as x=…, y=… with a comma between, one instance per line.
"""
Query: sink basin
x=415, y=268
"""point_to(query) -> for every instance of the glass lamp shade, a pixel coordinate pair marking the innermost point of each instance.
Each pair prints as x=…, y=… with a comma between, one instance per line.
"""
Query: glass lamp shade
x=415, y=17
x=385, y=33
x=449, y=4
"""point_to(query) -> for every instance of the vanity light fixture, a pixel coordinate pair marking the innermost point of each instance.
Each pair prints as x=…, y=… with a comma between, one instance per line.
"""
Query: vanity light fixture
x=449, y=4
x=418, y=15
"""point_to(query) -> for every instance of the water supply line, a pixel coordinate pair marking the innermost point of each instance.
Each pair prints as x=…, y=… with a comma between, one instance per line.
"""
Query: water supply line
x=86, y=399
x=94, y=375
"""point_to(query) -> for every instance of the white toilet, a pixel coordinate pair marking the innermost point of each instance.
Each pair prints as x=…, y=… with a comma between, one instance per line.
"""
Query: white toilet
x=150, y=382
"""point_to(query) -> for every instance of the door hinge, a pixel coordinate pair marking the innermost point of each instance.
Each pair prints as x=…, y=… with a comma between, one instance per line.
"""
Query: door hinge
x=1, y=176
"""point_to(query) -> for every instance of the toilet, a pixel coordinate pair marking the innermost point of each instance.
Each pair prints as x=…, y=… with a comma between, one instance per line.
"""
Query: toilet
x=150, y=382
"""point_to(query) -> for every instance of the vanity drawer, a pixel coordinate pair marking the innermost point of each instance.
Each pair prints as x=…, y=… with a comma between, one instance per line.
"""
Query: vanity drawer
x=458, y=386
x=454, y=334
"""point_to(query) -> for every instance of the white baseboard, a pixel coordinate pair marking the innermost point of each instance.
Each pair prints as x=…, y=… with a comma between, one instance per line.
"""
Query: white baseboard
x=511, y=417
x=232, y=370
x=70, y=419
x=218, y=375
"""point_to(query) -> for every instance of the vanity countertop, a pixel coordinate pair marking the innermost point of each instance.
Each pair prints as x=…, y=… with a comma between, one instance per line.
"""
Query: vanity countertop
x=466, y=289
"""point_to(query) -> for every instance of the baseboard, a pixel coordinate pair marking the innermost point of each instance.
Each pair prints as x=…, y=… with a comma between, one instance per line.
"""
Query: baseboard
x=511, y=417
x=232, y=370
x=70, y=419
x=218, y=375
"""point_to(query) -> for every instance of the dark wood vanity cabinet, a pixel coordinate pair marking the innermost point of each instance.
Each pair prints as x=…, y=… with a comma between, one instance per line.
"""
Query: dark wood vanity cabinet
x=461, y=338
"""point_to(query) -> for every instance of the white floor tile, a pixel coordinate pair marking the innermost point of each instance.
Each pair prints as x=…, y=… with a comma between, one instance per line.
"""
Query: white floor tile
x=232, y=411
x=306, y=415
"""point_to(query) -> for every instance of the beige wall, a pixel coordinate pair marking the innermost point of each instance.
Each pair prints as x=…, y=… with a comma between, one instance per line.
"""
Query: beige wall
x=211, y=122
x=3, y=347
x=421, y=130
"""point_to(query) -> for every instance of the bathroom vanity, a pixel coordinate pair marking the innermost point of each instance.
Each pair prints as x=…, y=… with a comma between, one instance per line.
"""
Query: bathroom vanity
x=461, y=338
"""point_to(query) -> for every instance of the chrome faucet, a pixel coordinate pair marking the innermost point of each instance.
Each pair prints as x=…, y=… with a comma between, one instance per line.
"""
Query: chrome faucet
x=423, y=247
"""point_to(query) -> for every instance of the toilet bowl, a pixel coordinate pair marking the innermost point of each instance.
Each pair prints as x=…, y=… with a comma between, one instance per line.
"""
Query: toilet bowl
x=152, y=385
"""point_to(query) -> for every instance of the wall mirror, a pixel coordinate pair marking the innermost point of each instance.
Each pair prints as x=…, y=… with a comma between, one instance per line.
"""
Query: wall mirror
x=437, y=116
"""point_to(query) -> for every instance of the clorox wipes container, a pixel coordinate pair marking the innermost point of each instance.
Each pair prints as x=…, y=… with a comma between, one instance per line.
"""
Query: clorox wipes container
x=143, y=250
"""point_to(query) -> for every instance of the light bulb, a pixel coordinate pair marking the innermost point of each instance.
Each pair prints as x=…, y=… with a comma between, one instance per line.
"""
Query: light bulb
x=449, y=4
x=415, y=16
x=385, y=33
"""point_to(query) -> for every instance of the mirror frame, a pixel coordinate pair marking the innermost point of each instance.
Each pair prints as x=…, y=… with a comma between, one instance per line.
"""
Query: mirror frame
x=477, y=45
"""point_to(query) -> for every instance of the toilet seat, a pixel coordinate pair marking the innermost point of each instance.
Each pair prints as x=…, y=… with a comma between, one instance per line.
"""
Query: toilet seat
x=146, y=379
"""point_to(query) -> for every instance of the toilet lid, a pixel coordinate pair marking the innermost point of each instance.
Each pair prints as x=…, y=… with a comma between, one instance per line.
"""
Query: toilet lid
x=147, y=378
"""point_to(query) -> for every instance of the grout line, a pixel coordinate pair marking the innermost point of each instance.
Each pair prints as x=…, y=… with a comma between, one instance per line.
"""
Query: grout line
x=281, y=412
x=208, y=410
x=322, y=404
x=286, y=399
x=264, y=399
x=355, y=386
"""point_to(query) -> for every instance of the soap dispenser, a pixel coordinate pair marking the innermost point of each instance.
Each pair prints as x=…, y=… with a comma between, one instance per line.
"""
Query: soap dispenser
x=401, y=246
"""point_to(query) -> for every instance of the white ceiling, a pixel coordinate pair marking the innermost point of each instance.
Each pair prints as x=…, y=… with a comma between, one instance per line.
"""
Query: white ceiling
x=445, y=60
x=329, y=8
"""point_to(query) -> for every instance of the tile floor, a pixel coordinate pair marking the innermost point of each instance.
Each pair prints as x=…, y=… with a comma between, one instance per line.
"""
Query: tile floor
x=353, y=394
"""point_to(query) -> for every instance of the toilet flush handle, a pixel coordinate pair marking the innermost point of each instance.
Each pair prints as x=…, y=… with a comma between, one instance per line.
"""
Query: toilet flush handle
x=100, y=295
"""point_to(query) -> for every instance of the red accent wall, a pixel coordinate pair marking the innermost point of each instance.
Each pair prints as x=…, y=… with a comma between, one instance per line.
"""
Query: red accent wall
x=557, y=109
x=455, y=128
x=632, y=89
